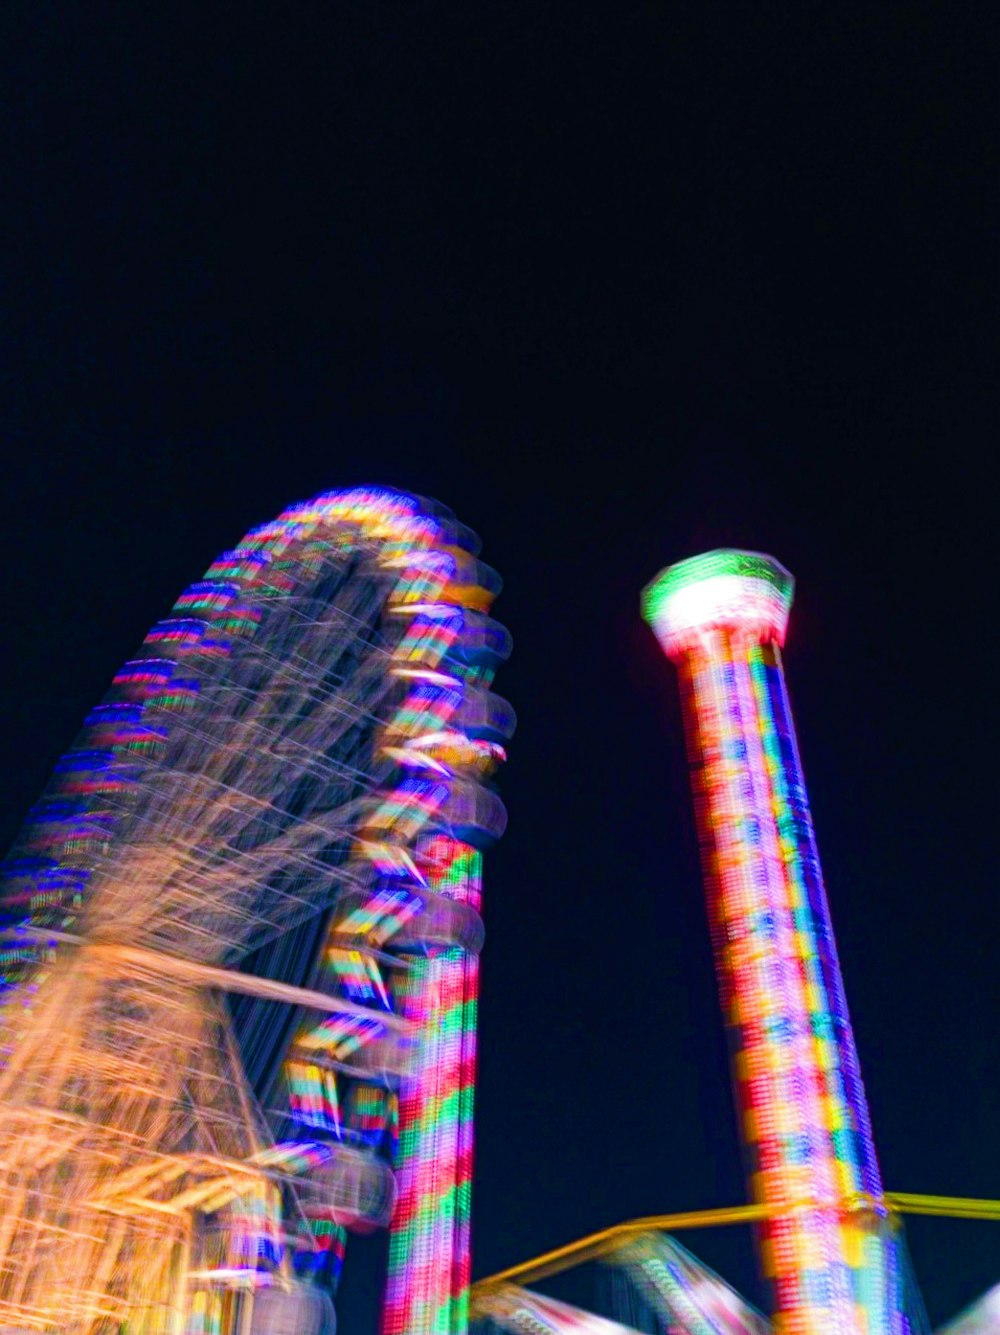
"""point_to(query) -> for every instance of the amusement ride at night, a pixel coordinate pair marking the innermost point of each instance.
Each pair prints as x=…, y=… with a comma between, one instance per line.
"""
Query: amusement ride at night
x=239, y=965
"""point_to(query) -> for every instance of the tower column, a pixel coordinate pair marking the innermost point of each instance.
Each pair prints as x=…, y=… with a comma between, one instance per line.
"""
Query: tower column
x=429, y=1243
x=721, y=618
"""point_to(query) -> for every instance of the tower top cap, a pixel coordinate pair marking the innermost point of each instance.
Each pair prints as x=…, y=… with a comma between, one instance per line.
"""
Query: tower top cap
x=745, y=592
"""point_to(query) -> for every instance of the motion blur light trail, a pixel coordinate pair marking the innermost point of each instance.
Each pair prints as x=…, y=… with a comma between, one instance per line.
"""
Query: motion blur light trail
x=721, y=618
x=829, y=1237
x=283, y=797
x=527, y=1313
x=682, y=1293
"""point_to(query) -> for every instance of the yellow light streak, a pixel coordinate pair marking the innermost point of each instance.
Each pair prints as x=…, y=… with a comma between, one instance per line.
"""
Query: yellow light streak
x=596, y=1245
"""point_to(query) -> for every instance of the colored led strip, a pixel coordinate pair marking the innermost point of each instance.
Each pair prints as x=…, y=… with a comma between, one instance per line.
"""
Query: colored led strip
x=411, y=843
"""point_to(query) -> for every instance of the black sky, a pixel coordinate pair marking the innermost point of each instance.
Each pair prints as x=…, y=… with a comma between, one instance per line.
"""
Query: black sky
x=617, y=282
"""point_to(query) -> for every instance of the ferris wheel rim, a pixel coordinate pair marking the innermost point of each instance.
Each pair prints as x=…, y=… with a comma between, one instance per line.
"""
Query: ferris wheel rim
x=389, y=543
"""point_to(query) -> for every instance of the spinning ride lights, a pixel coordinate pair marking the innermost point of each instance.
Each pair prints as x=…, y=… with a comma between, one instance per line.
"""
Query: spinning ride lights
x=526, y=1313
x=284, y=797
x=682, y=1293
x=658, y=1285
x=829, y=1249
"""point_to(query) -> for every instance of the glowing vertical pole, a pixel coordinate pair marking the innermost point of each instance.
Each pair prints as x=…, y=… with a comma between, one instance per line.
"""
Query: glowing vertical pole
x=721, y=618
x=427, y=1292
x=429, y=1256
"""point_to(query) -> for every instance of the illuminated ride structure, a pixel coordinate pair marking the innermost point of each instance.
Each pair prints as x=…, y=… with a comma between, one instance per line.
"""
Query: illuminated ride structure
x=828, y=1236
x=829, y=1254
x=238, y=961
x=239, y=952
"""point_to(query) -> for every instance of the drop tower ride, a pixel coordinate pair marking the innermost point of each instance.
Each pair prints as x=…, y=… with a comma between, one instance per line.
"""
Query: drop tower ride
x=826, y=1245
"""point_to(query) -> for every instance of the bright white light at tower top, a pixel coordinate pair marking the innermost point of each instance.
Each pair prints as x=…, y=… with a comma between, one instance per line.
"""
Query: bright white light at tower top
x=743, y=592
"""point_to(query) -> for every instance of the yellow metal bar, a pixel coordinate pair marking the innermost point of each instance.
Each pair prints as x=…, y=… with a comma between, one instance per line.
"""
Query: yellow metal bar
x=950, y=1207
x=596, y=1245
x=600, y=1244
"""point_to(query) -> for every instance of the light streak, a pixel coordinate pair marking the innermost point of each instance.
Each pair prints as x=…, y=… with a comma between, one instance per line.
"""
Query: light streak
x=721, y=618
x=253, y=765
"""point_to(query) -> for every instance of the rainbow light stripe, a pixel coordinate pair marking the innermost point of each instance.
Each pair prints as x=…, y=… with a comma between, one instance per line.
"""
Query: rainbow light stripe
x=427, y=1291
x=721, y=617
x=429, y=1246
x=411, y=847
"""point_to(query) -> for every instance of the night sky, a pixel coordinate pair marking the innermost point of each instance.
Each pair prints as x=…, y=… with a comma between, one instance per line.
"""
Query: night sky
x=617, y=282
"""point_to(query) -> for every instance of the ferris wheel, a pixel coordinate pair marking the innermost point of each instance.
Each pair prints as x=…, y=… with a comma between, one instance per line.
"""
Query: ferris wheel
x=238, y=959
